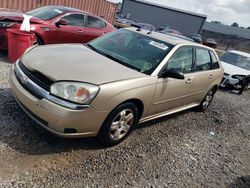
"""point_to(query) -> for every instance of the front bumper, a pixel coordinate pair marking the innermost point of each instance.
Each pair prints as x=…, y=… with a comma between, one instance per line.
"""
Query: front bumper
x=55, y=118
x=232, y=82
x=228, y=80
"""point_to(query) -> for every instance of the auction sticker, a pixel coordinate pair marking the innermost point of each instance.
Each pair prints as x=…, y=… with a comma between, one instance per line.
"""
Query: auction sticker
x=158, y=45
x=58, y=11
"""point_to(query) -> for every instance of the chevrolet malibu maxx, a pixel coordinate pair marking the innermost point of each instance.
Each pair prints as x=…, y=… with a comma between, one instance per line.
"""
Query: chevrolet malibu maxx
x=111, y=84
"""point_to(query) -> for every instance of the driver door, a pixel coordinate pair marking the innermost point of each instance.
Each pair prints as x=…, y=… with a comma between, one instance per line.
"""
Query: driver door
x=73, y=32
x=173, y=93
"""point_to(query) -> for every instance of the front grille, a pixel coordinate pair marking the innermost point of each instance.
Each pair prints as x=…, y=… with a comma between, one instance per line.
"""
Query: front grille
x=41, y=80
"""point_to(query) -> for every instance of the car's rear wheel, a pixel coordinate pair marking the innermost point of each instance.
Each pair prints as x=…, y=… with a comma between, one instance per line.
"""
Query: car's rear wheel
x=118, y=124
x=206, y=100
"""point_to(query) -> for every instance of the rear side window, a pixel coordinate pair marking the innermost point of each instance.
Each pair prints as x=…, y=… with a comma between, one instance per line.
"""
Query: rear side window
x=203, y=60
x=95, y=22
x=182, y=60
x=74, y=20
x=215, y=61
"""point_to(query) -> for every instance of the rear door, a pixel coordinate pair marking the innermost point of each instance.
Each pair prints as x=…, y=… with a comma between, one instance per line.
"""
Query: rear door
x=94, y=27
x=204, y=75
x=70, y=33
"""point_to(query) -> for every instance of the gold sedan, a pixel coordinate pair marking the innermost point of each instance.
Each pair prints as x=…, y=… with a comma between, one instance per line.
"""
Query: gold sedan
x=113, y=83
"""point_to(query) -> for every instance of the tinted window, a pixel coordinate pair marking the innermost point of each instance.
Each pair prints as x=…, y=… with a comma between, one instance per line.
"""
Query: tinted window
x=203, y=61
x=215, y=63
x=236, y=60
x=132, y=49
x=47, y=13
x=182, y=60
x=74, y=20
x=95, y=22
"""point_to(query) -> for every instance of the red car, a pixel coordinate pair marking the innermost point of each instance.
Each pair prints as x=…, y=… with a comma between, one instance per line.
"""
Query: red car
x=210, y=42
x=56, y=24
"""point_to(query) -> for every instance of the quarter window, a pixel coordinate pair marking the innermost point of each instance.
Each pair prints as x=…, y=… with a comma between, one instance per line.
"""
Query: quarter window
x=215, y=63
x=203, y=61
x=182, y=60
x=74, y=20
x=95, y=22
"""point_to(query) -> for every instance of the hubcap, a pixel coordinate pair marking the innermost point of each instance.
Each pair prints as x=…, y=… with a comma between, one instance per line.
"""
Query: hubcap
x=207, y=99
x=121, y=124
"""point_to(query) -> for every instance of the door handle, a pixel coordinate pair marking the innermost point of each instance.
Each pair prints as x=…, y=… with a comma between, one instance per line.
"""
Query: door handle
x=210, y=76
x=80, y=31
x=104, y=33
x=189, y=81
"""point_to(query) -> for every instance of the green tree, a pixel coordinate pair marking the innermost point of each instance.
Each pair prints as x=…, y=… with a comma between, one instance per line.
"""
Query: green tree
x=217, y=22
x=235, y=24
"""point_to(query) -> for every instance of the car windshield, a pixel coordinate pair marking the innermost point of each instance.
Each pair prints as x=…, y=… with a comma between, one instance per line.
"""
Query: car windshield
x=236, y=59
x=196, y=35
x=47, y=13
x=132, y=49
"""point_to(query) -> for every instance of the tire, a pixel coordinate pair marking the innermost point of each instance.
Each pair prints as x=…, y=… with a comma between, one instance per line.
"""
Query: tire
x=205, y=103
x=246, y=87
x=39, y=40
x=118, y=124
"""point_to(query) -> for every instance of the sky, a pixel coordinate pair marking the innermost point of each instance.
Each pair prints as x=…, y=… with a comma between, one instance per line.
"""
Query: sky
x=225, y=11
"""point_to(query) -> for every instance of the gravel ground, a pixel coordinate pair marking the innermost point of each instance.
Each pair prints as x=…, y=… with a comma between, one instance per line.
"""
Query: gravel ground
x=188, y=149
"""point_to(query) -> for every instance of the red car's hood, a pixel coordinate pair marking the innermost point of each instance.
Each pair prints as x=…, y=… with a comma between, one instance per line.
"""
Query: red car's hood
x=16, y=16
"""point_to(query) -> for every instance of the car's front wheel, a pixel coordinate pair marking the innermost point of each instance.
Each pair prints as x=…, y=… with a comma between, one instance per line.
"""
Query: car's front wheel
x=118, y=124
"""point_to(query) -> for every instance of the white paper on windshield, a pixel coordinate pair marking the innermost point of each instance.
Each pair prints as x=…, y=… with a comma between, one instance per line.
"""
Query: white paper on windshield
x=58, y=11
x=26, y=23
x=158, y=45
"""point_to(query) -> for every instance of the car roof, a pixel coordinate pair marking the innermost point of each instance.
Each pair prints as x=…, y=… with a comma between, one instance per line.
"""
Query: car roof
x=240, y=53
x=166, y=38
x=70, y=10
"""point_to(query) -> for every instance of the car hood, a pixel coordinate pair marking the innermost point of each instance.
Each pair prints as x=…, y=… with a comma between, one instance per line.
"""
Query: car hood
x=16, y=16
x=76, y=62
x=231, y=69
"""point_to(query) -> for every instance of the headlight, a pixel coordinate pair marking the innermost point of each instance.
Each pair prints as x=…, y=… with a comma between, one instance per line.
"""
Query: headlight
x=6, y=24
x=77, y=92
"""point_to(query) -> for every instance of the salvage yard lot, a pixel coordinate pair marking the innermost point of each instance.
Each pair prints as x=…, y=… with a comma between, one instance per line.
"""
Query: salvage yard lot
x=190, y=149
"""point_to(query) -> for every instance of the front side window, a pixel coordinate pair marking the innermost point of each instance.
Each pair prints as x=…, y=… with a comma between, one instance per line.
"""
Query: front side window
x=182, y=60
x=132, y=49
x=203, y=60
x=74, y=20
x=95, y=22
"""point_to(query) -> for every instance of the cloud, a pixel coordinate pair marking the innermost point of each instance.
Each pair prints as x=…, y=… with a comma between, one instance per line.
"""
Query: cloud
x=226, y=11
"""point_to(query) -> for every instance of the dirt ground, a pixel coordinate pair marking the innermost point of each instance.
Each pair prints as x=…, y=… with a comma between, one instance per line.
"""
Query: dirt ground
x=189, y=149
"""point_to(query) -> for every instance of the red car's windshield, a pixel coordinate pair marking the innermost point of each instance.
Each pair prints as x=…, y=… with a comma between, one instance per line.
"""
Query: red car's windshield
x=47, y=13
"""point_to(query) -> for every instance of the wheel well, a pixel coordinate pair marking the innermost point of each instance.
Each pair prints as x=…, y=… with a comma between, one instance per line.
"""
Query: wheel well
x=215, y=87
x=39, y=38
x=139, y=105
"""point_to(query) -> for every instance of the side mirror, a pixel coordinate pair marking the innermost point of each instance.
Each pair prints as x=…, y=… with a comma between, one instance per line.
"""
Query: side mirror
x=61, y=22
x=172, y=74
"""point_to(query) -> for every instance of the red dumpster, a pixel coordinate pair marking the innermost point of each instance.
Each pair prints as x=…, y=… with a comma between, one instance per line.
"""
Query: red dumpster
x=18, y=42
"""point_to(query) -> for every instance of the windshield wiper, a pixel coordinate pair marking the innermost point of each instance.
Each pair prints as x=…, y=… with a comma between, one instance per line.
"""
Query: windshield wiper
x=112, y=57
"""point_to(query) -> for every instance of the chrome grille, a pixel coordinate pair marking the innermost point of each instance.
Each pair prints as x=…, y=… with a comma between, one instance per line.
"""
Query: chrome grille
x=41, y=80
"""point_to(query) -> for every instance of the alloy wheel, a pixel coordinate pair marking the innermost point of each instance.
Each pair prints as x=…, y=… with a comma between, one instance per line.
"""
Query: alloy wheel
x=121, y=124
